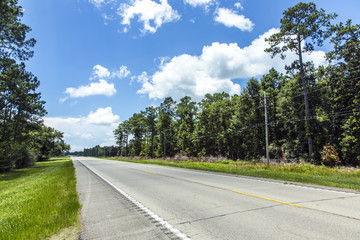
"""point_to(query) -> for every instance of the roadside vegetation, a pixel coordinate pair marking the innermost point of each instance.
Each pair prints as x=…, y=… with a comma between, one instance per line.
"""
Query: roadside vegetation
x=313, y=112
x=304, y=173
x=40, y=201
x=24, y=139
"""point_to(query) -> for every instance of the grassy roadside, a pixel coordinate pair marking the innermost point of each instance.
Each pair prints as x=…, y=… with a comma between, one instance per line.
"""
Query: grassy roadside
x=304, y=173
x=40, y=201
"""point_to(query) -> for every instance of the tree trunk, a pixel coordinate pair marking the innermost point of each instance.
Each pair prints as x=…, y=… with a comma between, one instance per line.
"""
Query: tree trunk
x=307, y=107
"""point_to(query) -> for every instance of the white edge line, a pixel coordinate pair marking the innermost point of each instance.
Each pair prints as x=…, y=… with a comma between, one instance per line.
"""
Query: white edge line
x=138, y=204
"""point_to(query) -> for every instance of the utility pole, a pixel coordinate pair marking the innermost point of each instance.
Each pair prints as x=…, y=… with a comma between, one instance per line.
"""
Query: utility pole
x=266, y=132
x=164, y=144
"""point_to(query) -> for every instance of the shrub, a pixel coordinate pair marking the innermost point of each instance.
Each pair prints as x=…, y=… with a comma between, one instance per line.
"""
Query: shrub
x=330, y=156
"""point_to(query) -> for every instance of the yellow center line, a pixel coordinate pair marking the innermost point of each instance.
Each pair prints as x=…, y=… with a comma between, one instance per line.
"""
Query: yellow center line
x=150, y=172
x=269, y=199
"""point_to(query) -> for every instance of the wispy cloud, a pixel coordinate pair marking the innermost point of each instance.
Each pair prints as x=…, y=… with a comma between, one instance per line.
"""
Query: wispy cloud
x=203, y=3
x=230, y=18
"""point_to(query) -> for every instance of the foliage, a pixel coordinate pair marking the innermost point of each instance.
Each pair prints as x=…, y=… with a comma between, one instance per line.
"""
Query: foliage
x=329, y=156
x=20, y=102
x=13, y=41
x=234, y=127
x=37, y=202
x=343, y=80
x=300, y=23
x=49, y=142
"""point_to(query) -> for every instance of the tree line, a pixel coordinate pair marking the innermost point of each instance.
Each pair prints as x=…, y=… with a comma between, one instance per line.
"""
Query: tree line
x=23, y=137
x=313, y=113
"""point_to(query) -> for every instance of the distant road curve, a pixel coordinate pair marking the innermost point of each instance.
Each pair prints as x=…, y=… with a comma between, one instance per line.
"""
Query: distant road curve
x=203, y=205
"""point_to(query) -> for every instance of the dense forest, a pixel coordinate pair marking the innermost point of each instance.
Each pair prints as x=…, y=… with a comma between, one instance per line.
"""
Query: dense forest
x=23, y=137
x=313, y=113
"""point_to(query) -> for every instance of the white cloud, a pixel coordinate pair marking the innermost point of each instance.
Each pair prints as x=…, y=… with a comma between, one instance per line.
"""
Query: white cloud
x=62, y=100
x=98, y=3
x=238, y=6
x=143, y=77
x=87, y=131
x=215, y=68
x=86, y=136
x=231, y=19
x=102, y=116
x=196, y=3
x=185, y=75
x=150, y=13
x=123, y=72
x=98, y=88
x=100, y=72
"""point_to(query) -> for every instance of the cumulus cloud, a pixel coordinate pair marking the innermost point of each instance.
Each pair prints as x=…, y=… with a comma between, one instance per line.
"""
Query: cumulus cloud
x=214, y=70
x=152, y=14
x=100, y=72
x=185, y=75
x=230, y=18
x=80, y=132
x=98, y=88
x=196, y=3
x=123, y=72
x=102, y=116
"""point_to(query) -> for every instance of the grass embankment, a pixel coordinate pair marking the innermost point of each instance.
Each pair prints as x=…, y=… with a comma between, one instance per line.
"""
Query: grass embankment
x=304, y=173
x=40, y=201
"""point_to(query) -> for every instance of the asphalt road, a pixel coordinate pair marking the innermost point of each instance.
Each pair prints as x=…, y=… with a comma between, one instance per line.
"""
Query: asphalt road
x=203, y=205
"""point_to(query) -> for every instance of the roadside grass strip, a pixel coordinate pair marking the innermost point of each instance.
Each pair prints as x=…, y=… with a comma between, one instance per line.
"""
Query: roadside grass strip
x=303, y=173
x=38, y=202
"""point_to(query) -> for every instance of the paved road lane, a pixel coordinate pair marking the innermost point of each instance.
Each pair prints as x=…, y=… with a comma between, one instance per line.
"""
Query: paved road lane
x=106, y=214
x=215, y=206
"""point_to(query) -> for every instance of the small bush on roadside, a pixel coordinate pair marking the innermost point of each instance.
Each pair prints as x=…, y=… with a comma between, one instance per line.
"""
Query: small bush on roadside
x=227, y=162
x=330, y=156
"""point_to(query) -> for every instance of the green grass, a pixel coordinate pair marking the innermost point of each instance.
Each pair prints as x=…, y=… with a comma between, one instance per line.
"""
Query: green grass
x=304, y=173
x=38, y=202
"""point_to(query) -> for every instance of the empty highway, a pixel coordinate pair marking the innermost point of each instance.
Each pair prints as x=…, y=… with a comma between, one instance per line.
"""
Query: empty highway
x=205, y=205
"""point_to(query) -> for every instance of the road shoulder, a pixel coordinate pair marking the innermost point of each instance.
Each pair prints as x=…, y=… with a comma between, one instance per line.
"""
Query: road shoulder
x=106, y=214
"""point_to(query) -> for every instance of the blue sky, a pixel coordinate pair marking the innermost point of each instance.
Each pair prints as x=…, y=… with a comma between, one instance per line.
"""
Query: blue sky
x=100, y=61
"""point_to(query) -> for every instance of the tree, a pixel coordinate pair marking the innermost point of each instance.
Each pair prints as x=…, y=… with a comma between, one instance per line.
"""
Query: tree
x=344, y=83
x=272, y=84
x=20, y=103
x=301, y=23
x=248, y=122
x=50, y=142
x=137, y=129
x=150, y=121
x=122, y=137
x=21, y=109
x=166, y=130
x=185, y=124
x=13, y=41
x=213, y=121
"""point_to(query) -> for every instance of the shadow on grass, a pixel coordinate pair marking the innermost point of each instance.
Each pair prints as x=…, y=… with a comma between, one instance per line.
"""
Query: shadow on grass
x=18, y=173
x=24, y=172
